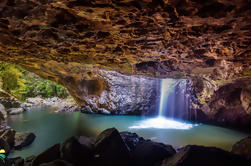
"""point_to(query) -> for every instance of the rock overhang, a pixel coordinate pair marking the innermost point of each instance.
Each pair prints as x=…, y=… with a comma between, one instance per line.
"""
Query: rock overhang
x=71, y=41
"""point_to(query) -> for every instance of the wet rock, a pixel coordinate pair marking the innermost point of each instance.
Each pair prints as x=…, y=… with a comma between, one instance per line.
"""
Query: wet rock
x=123, y=94
x=131, y=140
x=150, y=153
x=206, y=156
x=51, y=154
x=243, y=147
x=110, y=149
x=57, y=163
x=15, y=111
x=23, y=139
x=77, y=150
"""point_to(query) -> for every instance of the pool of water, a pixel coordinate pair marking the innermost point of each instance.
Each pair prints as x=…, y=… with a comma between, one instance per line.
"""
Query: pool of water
x=51, y=128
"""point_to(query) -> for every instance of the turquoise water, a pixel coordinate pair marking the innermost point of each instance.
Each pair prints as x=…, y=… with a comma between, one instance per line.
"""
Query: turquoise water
x=51, y=128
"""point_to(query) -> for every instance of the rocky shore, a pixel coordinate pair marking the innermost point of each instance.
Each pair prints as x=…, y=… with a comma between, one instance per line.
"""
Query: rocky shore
x=111, y=148
x=9, y=105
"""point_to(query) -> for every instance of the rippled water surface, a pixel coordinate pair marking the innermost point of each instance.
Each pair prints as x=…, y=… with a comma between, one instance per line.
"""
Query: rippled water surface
x=51, y=128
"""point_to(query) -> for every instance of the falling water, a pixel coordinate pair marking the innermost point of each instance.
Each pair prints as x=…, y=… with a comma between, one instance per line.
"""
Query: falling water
x=174, y=103
x=167, y=86
x=174, y=100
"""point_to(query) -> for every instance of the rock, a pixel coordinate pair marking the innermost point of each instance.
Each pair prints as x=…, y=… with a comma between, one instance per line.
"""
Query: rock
x=242, y=147
x=158, y=38
x=110, y=149
x=60, y=105
x=57, y=163
x=150, y=153
x=192, y=155
x=131, y=140
x=15, y=111
x=226, y=106
x=8, y=101
x=4, y=145
x=123, y=94
x=23, y=139
x=8, y=135
x=28, y=160
x=77, y=150
x=51, y=154
x=26, y=106
x=69, y=109
x=3, y=113
x=18, y=161
x=246, y=100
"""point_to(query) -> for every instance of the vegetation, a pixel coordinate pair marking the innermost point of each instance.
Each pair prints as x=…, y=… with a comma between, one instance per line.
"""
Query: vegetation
x=23, y=84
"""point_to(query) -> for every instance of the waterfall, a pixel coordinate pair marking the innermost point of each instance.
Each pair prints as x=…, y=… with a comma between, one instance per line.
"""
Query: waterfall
x=167, y=86
x=174, y=100
x=173, y=103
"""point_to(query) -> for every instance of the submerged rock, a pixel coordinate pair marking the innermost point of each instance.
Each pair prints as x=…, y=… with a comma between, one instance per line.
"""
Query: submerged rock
x=150, y=153
x=192, y=155
x=51, y=154
x=23, y=139
x=110, y=149
x=243, y=147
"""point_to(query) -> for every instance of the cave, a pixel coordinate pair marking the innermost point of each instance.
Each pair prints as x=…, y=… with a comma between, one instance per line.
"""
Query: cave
x=125, y=82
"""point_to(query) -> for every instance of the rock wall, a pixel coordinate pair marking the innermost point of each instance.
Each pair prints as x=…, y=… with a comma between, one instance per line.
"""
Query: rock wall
x=228, y=104
x=123, y=94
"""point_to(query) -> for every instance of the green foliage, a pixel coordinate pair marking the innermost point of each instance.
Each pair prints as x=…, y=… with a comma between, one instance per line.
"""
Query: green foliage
x=23, y=84
x=12, y=81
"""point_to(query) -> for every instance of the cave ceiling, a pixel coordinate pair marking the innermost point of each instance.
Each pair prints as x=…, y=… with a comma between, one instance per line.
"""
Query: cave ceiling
x=70, y=40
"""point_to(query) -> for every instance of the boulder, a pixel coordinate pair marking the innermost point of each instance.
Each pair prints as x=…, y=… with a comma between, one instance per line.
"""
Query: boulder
x=15, y=111
x=51, y=154
x=28, y=160
x=18, y=161
x=131, y=140
x=4, y=145
x=193, y=155
x=110, y=149
x=57, y=163
x=150, y=153
x=8, y=135
x=23, y=139
x=3, y=113
x=243, y=147
x=77, y=150
x=8, y=101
